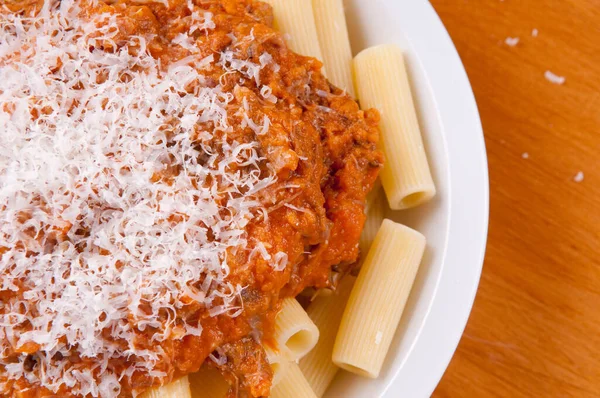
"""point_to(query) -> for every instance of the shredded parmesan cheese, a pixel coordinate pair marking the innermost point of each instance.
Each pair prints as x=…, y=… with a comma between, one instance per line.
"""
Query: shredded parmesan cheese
x=117, y=208
x=553, y=78
x=512, y=41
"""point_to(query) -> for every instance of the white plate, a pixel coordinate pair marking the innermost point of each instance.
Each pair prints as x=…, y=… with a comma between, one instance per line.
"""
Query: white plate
x=455, y=224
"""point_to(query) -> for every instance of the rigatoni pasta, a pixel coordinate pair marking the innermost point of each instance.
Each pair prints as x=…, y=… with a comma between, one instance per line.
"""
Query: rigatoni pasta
x=295, y=333
x=177, y=389
x=373, y=195
x=279, y=362
x=326, y=312
x=295, y=18
x=293, y=385
x=208, y=383
x=330, y=21
x=374, y=219
x=382, y=83
x=378, y=299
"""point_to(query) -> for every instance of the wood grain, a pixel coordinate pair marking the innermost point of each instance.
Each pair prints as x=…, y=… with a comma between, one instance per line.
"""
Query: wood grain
x=535, y=327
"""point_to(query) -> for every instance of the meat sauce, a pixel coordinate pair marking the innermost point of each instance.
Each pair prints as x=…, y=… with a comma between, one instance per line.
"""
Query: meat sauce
x=322, y=148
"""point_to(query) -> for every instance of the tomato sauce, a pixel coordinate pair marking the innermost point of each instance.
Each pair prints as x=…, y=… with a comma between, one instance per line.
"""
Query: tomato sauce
x=321, y=147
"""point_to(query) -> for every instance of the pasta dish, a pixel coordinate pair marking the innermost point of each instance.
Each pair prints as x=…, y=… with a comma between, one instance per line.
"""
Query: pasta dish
x=183, y=195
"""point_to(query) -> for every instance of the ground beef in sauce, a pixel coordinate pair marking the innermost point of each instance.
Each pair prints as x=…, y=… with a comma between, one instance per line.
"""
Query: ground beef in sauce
x=321, y=147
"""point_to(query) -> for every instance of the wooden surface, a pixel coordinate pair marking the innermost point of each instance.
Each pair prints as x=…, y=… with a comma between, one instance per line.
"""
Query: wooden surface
x=535, y=326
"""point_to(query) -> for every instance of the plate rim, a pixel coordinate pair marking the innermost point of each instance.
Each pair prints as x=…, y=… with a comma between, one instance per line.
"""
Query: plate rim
x=430, y=355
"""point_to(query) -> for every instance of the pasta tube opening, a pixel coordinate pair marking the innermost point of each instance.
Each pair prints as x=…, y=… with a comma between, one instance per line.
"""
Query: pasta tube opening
x=293, y=385
x=279, y=363
x=295, y=332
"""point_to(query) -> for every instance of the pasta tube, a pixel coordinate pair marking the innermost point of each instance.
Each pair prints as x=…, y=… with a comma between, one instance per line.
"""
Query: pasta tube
x=332, y=31
x=295, y=333
x=378, y=299
x=279, y=363
x=326, y=312
x=373, y=222
x=382, y=83
x=373, y=195
x=293, y=385
x=208, y=383
x=295, y=18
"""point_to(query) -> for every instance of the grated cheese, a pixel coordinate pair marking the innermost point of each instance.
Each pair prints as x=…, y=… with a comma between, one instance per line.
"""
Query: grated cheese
x=553, y=78
x=94, y=243
x=511, y=41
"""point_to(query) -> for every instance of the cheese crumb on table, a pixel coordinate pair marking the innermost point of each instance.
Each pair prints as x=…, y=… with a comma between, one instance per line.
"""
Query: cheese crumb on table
x=554, y=78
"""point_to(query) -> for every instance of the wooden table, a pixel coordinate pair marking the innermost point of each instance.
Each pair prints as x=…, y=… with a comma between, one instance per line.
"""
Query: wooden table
x=535, y=326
